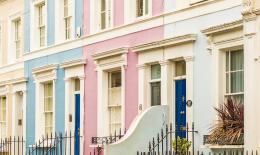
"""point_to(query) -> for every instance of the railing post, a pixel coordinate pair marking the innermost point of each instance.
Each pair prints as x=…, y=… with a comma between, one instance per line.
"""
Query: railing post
x=193, y=138
x=171, y=139
x=162, y=141
x=166, y=140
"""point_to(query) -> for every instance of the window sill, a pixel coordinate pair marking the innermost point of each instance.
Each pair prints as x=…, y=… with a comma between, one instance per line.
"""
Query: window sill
x=215, y=146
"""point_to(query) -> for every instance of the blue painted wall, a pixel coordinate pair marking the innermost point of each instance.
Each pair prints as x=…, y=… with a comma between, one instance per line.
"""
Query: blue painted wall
x=59, y=90
x=203, y=93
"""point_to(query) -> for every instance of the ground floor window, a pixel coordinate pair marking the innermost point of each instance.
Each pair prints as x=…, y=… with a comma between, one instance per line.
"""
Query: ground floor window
x=48, y=107
x=234, y=74
x=3, y=116
x=155, y=85
x=114, y=101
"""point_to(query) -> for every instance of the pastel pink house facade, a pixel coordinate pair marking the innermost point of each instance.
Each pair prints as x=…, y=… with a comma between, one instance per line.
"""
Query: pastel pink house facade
x=131, y=69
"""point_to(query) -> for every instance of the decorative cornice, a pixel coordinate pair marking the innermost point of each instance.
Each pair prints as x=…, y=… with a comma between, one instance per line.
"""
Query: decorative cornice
x=13, y=81
x=223, y=27
x=73, y=63
x=44, y=68
x=165, y=43
x=110, y=53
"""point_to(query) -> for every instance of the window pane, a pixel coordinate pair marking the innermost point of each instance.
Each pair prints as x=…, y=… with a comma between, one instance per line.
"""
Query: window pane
x=227, y=61
x=155, y=93
x=155, y=71
x=77, y=85
x=139, y=8
x=180, y=68
x=103, y=20
x=115, y=79
x=146, y=6
x=237, y=60
x=227, y=83
x=237, y=82
x=114, y=119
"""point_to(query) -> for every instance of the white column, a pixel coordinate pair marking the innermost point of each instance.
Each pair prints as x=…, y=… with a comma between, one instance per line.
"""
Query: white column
x=14, y=114
x=189, y=88
x=251, y=83
x=123, y=98
x=82, y=109
x=100, y=111
x=24, y=115
x=166, y=84
x=67, y=102
x=38, y=121
x=142, y=87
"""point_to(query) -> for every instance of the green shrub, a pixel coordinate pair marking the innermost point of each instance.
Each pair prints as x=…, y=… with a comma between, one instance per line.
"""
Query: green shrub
x=183, y=145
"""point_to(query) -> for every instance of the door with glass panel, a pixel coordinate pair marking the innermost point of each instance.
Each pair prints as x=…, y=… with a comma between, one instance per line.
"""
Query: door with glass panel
x=115, y=101
x=155, y=85
x=180, y=98
x=77, y=116
x=3, y=118
x=19, y=114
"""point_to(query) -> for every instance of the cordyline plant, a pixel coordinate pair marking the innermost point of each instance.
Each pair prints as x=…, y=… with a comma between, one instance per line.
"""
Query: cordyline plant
x=229, y=129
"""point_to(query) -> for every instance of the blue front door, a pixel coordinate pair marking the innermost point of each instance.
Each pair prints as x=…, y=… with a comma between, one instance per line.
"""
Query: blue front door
x=77, y=124
x=180, y=94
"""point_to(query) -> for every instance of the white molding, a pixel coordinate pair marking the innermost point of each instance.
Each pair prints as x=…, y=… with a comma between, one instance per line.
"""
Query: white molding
x=136, y=26
x=11, y=67
x=13, y=81
x=238, y=24
x=114, y=52
x=165, y=43
x=73, y=63
x=44, y=68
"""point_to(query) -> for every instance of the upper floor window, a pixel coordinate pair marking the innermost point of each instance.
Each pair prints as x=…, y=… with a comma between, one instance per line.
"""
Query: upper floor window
x=48, y=107
x=17, y=37
x=42, y=24
x=3, y=116
x=105, y=14
x=155, y=84
x=142, y=7
x=68, y=18
x=234, y=70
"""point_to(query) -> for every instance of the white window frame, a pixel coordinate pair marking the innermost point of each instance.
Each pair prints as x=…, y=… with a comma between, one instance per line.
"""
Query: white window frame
x=1, y=43
x=35, y=31
x=60, y=35
x=106, y=62
x=109, y=107
x=17, y=37
x=230, y=94
x=3, y=134
x=130, y=15
x=43, y=75
x=44, y=104
x=108, y=14
x=154, y=81
x=74, y=69
x=219, y=54
x=68, y=19
x=11, y=55
x=95, y=16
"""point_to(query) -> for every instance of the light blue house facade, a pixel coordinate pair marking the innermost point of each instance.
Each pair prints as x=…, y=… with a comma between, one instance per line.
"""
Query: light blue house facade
x=49, y=72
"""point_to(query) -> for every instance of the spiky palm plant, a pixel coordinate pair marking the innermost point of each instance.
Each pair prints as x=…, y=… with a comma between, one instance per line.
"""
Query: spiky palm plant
x=229, y=128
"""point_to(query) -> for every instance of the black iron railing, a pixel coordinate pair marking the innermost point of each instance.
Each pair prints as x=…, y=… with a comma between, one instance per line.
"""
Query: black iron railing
x=168, y=141
x=12, y=146
x=57, y=144
x=99, y=142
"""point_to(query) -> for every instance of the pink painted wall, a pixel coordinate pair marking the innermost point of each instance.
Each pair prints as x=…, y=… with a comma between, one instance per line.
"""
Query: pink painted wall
x=158, y=7
x=118, y=12
x=131, y=92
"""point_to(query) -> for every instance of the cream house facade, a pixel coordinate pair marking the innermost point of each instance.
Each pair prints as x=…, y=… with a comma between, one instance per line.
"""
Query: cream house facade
x=12, y=81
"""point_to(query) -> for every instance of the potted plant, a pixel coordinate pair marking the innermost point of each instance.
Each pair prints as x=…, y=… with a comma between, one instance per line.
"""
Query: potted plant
x=229, y=128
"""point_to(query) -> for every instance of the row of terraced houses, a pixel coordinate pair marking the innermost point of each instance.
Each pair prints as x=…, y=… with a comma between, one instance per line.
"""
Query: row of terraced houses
x=91, y=70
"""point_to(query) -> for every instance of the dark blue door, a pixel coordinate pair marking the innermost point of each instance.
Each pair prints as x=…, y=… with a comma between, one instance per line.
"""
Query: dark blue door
x=180, y=94
x=77, y=124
